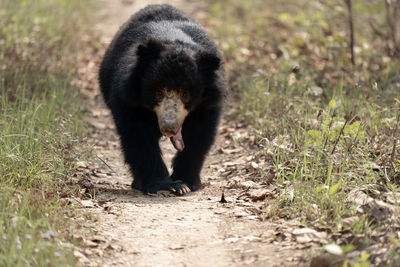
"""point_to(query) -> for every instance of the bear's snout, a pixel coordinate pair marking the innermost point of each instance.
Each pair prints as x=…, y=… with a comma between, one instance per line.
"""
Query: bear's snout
x=171, y=113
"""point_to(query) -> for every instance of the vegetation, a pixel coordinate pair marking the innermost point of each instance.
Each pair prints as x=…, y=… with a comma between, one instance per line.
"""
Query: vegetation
x=39, y=128
x=330, y=128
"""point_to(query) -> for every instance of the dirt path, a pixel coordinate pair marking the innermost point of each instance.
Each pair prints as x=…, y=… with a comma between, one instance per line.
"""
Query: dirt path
x=132, y=229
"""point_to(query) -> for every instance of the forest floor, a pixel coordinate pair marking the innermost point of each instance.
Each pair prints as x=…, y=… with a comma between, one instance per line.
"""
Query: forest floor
x=198, y=229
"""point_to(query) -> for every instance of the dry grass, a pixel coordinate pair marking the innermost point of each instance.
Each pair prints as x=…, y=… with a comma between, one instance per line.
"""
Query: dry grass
x=39, y=129
x=330, y=130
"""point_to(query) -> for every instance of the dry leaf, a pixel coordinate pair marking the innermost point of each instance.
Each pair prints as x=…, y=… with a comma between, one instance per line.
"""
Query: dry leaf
x=260, y=194
x=87, y=203
x=333, y=249
x=305, y=235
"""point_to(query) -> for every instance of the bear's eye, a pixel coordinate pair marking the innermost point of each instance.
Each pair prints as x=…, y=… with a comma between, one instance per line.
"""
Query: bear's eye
x=185, y=96
x=159, y=95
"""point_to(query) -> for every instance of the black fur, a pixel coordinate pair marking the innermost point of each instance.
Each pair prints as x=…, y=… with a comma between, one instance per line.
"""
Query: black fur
x=160, y=47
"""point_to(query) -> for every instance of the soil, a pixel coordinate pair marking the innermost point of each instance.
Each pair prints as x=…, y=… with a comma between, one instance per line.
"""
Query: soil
x=223, y=224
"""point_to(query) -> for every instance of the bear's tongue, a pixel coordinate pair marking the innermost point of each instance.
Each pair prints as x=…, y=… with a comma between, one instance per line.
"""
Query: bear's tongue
x=177, y=141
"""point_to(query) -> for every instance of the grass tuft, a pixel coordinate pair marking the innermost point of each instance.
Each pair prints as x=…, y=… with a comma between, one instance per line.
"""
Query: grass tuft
x=39, y=128
x=330, y=130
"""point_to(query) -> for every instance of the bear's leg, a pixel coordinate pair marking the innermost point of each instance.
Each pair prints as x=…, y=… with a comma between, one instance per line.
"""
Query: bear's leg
x=198, y=131
x=142, y=153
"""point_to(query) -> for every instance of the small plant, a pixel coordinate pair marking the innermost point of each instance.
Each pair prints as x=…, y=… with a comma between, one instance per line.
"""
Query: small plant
x=39, y=129
x=328, y=128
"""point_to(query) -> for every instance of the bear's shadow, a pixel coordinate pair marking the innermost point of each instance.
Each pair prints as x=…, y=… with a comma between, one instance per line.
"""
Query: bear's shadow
x=136, y=196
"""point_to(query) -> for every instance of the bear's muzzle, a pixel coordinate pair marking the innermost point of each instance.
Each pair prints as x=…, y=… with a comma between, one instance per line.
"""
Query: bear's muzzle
x=171, y=113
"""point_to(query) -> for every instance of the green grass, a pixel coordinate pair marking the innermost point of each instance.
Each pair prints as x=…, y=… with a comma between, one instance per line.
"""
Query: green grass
x=326, y=127
x=40, y=128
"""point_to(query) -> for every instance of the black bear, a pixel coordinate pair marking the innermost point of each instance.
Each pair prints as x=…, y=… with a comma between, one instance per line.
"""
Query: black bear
x=163, y=75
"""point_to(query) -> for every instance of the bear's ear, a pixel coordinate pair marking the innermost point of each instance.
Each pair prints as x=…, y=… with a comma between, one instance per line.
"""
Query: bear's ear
x=208, y=62
x=151, y=49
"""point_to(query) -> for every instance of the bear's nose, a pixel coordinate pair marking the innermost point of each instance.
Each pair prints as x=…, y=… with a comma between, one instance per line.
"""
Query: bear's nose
x=170, y=121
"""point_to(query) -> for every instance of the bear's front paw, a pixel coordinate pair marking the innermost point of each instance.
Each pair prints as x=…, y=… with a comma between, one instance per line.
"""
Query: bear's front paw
x=180, y=188
x=193, y=184
x=176, y=187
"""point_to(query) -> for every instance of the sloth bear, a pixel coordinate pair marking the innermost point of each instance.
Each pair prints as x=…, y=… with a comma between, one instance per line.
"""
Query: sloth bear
x=163, y=75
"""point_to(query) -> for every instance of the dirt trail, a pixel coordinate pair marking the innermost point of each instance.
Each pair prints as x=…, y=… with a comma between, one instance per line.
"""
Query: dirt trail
x=132, y=229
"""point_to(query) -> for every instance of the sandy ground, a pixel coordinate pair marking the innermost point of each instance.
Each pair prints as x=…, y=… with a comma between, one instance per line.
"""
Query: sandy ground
x=132, y=229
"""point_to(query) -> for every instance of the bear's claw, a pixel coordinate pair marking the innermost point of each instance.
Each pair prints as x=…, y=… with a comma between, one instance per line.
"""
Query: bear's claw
x=177, y=187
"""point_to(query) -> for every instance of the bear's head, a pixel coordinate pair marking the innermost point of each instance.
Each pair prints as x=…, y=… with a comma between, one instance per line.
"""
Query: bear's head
x=175, y=78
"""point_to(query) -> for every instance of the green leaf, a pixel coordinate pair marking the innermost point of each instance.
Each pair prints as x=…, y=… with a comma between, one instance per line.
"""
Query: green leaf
x=319, y=189
x=348, y=248
x=364, y=256
x=332, y=103
x=334, y=188
x=314, y=133
x=284, y=17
